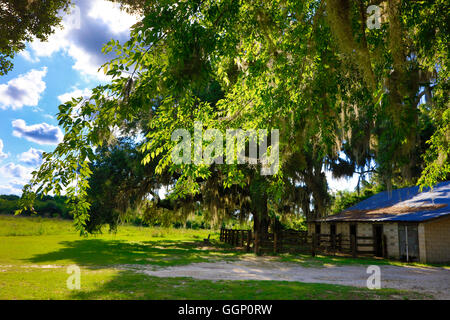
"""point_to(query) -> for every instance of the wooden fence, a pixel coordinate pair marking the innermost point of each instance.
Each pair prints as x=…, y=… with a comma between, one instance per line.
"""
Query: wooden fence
x=352, y=245
x=237, y=238
x=301, y=242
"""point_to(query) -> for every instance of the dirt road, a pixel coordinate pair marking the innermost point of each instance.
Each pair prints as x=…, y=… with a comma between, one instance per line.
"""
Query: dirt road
x=429, y=280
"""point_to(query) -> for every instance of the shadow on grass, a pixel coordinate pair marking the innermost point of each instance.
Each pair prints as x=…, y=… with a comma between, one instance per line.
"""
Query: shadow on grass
x=101, y=280
x=128, y=285
x=98, y=252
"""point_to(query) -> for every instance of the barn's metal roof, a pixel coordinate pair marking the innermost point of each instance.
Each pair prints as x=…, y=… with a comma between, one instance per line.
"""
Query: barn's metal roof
x=405, y=204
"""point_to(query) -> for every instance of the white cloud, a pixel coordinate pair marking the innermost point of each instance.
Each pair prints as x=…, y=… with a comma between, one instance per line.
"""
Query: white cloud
x=12, y=186
x=9, y=189
x=84, y=32
x=2, y=155
x=32, y=157
x=12, y=170
x=27, y=56
x=41, y=133
x=25, y=90
x=76, y=93
x=112, y=16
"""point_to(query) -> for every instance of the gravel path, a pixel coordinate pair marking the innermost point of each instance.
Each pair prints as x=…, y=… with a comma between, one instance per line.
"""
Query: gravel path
x=430, y=280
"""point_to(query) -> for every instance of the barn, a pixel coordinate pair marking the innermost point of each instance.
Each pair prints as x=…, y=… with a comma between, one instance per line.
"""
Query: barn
x=404, y=224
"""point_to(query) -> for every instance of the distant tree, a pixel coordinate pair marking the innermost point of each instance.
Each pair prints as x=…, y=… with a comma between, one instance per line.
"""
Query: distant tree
x=118, y=184
x=47, y=205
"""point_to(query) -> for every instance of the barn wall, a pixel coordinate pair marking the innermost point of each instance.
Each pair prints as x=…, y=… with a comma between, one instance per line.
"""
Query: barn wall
x=434, y=237
x=390, y=230
x=342, y=227
x=325, y=228
x=437, y=240
x=422, y=243
x=311, y=227
x=365, y=229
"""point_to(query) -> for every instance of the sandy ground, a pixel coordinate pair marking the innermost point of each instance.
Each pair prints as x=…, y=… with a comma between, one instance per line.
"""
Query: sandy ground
x=428, y=280
x=433, y=281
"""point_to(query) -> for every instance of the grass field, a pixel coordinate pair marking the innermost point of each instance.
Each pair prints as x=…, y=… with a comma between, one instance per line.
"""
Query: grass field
x=35, y=253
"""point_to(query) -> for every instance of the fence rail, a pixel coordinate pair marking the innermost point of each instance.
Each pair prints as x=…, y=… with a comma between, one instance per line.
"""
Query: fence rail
x=302, y=242
x=237, y=238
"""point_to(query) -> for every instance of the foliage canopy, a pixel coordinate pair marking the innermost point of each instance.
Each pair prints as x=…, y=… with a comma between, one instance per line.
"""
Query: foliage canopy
x=344, y=97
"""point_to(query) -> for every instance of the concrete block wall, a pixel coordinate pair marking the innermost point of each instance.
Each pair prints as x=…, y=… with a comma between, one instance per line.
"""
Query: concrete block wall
x=364, y=229
x=343, y=228
x=390, y=230
x=325, y=228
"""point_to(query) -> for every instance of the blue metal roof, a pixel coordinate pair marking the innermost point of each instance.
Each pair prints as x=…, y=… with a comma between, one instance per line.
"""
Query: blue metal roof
x=405, y=198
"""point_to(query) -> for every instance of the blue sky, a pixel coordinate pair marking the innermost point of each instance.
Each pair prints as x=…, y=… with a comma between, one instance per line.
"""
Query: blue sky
x=48, y=73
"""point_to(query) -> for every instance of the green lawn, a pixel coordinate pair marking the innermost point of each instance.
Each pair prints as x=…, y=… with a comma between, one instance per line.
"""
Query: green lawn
x=35, y=252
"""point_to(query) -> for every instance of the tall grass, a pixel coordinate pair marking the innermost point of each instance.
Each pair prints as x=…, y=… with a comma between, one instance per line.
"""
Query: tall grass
x=13, y=226
x=33, y=226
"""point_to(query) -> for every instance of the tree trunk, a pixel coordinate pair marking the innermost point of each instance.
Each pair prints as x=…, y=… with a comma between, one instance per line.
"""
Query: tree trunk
x=260, y=227
x=261, y=219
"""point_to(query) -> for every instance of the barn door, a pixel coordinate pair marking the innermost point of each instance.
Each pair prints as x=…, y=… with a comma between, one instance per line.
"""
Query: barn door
x=408, y=237
x=378, y=237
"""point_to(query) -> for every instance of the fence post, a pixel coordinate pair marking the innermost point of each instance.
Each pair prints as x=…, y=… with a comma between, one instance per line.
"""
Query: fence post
x=275, y=242
x=313, y=245
x=333, y=243
x=280, y=241
x=249, y=239
x=339, y=242
x=318, y=240
x=242, y=238
x=353, y=245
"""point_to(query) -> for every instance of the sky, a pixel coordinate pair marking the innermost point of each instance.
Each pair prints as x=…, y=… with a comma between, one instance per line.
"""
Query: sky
x=49, y=73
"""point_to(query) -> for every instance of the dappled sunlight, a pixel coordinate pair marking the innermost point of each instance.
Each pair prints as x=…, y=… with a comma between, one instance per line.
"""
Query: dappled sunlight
x=115, y=266
x=88, y=252
x=129, y=285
